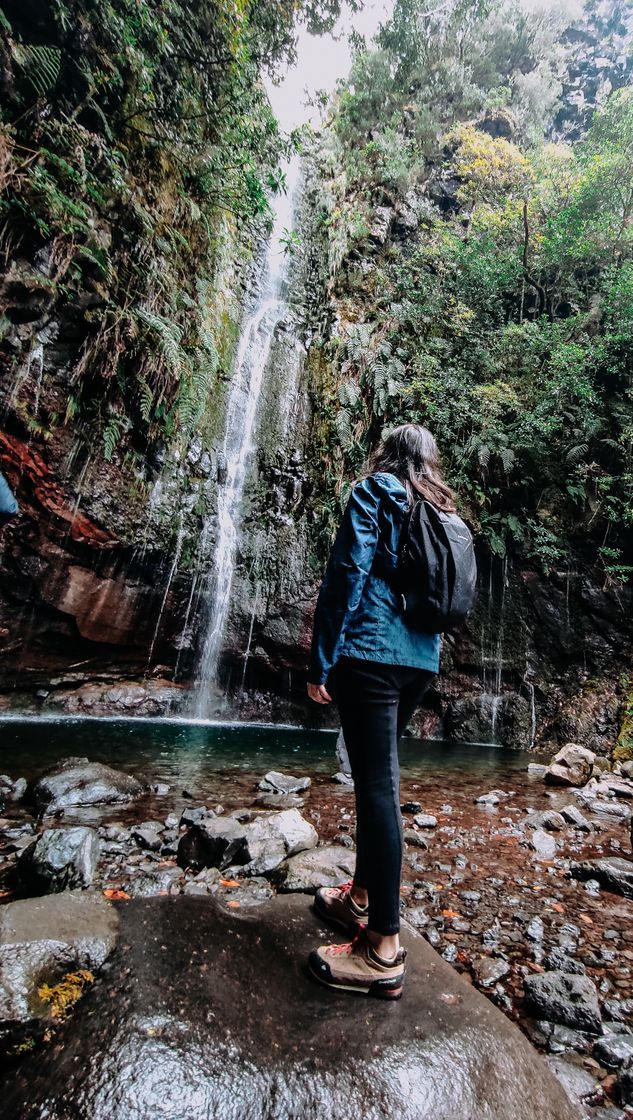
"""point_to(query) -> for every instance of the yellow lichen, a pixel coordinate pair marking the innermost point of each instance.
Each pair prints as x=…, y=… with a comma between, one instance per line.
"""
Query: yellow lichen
x=63, y=996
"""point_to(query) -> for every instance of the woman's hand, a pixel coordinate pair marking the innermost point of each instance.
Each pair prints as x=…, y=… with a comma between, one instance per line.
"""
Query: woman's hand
x=319, y=693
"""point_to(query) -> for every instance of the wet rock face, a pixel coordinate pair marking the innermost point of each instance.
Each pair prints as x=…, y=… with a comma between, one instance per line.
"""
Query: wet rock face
x=77, y=782
x=563, y=997
x=41, y=940
x=280, y=1044
x=60, y=859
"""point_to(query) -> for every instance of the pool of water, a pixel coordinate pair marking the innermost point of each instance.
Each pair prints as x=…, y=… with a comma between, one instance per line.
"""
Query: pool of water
x=188, y=752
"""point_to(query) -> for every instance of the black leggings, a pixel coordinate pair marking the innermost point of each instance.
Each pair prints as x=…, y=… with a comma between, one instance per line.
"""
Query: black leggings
x=375, y=702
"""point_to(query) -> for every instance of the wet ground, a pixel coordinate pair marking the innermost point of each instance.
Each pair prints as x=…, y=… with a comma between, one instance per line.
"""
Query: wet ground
x=478, y=892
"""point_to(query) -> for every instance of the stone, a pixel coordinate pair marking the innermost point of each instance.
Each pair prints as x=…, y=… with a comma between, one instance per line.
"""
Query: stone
x=411, y=807
x=536, y=770
x=543, y=844
x=558, y=960
x=564, y=998
x=274, y=782
x=425, y=820
x=614, y=873
x=193, y=814
x=319, y=867
x=487, y=971
x=42, y=939
x=415, y=838
x=76, y=782
x=614, y=1050
x=343, y=779
x=546, y=818
x=12, y=789
x=60, y=859
x=610, y=785
x=572, y=814
x=149, y=835
x=250, y=1034
x=158, y=880
x=259, y=845
x=577, y=1082
x=572, y=766
x=279, y=801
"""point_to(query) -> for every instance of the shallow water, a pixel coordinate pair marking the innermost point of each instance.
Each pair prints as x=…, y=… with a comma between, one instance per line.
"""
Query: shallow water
x=190, y=753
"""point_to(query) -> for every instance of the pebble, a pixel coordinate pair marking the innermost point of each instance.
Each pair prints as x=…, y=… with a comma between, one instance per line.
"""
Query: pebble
x=425, y=820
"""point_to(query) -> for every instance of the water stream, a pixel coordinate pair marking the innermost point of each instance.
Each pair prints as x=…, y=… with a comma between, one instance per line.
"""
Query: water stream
x=244, y=397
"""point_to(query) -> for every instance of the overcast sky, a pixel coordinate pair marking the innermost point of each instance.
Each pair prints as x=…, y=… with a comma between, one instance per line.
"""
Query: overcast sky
x=321, y=61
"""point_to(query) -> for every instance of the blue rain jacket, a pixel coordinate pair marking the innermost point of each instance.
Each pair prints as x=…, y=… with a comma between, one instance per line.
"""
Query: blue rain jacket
x=8, y=505
x=358, y=613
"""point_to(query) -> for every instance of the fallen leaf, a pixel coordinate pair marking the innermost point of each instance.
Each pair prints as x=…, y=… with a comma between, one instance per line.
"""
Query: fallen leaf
x=110, y=892
x=229, y=883
x=233, y=902
x=558, y=907
x=450, y=914
x=586, y=919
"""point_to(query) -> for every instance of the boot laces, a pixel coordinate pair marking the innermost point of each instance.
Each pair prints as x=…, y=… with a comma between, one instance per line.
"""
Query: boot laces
x=348, y=947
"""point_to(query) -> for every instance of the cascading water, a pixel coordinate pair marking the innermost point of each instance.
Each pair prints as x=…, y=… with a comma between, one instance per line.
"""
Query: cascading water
x=244, y=396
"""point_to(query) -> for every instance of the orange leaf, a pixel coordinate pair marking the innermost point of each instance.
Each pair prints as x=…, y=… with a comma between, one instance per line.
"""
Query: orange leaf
x=586, y=919
x=233, y=902
x=229, y=883
x=110, y=892
x=558, y=907
x=450, y=914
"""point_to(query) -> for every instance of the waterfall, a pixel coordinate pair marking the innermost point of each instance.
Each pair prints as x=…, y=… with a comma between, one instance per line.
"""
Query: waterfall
x=244, y=395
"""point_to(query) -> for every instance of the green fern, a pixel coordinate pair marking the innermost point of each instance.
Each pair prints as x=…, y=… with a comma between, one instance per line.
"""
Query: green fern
x=40, y=65
x=111, y=435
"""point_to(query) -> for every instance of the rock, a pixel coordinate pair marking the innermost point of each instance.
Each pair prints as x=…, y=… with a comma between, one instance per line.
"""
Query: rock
x=380, y=224
x=425, y=820
x=612, y=872
x=260, y=844
x=579, y=1085
x=572, y=766
x=417, y=917
x=546, y=818
x=274, y=782
x=536, y=770
x=158, y=880
x=572, y=814
x=614, y=1050
x=560, y=961
x=543, y=844
x=625, y=1086
x=42, y=939
x=148, y=836
x=415, y=838
x=194, y=814
x=411, y=807
x=621, y=1010
x=612, y=786
x=77, y=782
x=564, y=998
x=320, y=867
x=343, y=779
x=487, y=971
x=231, y=1039
x=279, y=801
x=12, y=789
x=60, y=859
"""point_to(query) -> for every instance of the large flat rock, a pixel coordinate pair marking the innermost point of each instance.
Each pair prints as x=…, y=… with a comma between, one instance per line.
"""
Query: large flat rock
x=210, y=1013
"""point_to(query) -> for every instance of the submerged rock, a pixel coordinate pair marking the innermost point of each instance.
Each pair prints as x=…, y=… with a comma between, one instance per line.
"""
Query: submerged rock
x=60, y=859
x=563, y=997
x=251, y=1035
x=274, y=782
x=572, y=766
x=613, y=872
x=76, y=782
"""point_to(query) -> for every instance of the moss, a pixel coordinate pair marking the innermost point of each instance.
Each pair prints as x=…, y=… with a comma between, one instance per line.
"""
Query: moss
x=623, y=751
x=62, y=997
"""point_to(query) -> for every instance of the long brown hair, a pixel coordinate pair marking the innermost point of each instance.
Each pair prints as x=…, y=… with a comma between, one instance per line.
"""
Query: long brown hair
x=410, y=452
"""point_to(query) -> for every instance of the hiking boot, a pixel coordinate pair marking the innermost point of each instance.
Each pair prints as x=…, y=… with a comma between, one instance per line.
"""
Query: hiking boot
x=336, y=905
x=356, y=967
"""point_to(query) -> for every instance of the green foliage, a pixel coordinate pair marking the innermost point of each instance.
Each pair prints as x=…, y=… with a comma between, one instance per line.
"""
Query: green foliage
x=503, y=320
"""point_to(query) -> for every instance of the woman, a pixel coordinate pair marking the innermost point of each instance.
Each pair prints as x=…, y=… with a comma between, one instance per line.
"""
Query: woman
x=380, y=668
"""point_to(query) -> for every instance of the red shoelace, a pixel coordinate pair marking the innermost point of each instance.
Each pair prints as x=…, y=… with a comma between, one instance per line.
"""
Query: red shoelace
x=348, y=947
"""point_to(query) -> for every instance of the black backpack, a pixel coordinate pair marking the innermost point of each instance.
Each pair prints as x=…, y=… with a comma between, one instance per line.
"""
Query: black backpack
x=436, y=575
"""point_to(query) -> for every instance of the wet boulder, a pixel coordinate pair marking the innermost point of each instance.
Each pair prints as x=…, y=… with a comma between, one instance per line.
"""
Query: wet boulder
x=274, y=782
x=258, y=844
x=12, y=789
x=563, y=997
x=41, y=940
x=250, y=1034
x=76, y=782
x=60, y=859
x=320, y=867
x=572, y=766
x=612, y=872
